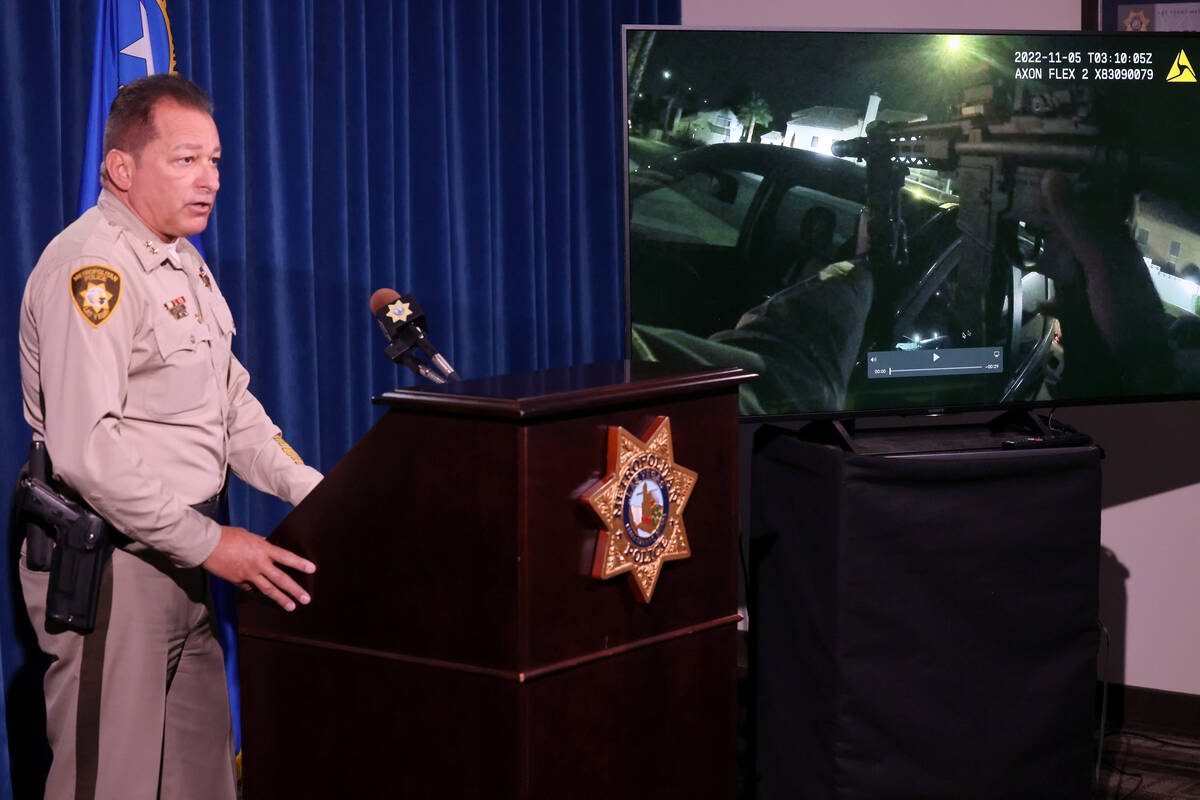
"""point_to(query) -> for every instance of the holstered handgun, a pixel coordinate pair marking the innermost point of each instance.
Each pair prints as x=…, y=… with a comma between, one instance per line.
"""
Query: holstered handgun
x=81, y=546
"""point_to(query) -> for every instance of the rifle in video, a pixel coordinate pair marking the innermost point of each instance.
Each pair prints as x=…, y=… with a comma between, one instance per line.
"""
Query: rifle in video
x=996, y=151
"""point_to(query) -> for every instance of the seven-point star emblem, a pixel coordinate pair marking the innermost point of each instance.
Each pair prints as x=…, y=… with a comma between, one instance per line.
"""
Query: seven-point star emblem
x=641, y=504
x=399, y=311
x=96, y=297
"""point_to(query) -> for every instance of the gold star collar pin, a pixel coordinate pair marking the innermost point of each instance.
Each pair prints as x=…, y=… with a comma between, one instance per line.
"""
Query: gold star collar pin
x=641, y=504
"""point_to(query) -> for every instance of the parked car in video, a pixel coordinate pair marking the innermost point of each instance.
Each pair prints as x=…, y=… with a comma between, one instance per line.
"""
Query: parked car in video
x=715, y=231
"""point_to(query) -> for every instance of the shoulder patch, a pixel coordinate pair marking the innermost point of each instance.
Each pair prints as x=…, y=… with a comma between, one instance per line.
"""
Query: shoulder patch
x=95, y=290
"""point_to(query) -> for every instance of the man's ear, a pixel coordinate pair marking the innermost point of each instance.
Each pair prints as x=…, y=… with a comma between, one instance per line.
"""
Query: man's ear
x=119, y=166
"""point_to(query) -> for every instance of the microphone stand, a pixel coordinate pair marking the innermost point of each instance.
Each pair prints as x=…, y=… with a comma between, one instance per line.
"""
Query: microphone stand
x=401, y=353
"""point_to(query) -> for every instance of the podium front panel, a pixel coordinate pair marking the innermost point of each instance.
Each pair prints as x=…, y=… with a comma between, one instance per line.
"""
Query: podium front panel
x=457, y=643
x=412, y=534
x=560, y=537
x=634, y=725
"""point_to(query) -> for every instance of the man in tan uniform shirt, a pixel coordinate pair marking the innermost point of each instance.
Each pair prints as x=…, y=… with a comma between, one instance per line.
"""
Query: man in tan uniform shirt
x=129, y=378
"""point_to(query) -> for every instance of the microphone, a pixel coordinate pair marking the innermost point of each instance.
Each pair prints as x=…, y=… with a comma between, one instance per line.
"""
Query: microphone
x=403, y=322
x=392, y=313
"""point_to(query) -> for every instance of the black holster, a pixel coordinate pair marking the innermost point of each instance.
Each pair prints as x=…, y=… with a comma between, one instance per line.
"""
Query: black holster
x=79, y=541
x=76, y=570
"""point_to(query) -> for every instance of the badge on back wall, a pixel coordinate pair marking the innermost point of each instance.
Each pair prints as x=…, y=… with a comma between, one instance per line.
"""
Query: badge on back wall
x=95, y=290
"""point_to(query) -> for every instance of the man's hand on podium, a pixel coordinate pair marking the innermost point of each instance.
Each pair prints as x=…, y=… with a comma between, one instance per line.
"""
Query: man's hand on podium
x=249, y=562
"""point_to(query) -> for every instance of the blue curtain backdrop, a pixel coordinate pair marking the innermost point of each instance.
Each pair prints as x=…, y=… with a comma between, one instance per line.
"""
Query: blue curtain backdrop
x=468, y=151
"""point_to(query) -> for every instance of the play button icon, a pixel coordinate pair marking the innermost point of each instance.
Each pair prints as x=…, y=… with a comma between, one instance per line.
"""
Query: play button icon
x=917, y=363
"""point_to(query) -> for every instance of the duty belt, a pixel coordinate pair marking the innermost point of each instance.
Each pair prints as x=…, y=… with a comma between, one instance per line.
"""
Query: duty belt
x=211, y=506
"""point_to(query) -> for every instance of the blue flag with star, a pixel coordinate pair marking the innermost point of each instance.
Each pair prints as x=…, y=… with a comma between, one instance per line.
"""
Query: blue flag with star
x=133, y=39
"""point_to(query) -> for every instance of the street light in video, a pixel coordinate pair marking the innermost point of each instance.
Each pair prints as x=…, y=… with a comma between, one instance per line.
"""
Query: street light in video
x=967, y=52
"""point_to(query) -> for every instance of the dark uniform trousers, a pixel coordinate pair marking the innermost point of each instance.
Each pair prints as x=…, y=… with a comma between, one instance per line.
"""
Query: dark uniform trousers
x=139, y=707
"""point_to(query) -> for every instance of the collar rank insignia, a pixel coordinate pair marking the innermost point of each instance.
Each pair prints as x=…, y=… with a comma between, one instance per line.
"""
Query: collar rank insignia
x=96, y=290
x=177, y=307
x=204, y=279
x=641, y=505
x=399, y=311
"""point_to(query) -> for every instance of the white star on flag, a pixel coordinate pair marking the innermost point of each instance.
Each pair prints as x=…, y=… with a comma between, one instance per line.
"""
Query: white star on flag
x=140, y=48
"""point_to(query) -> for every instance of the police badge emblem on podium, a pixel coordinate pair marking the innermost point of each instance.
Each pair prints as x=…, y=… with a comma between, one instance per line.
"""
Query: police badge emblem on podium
x=640, y=502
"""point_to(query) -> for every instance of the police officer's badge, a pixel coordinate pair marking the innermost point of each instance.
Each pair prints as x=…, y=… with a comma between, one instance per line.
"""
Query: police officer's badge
x=641, y=505
x=96, y=290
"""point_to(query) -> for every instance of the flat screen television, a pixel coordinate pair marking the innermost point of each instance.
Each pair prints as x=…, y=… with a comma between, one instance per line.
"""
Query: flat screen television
x=904, y=223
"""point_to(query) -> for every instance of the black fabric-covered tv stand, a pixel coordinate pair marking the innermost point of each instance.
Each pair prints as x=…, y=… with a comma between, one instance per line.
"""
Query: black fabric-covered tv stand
x=923, y=616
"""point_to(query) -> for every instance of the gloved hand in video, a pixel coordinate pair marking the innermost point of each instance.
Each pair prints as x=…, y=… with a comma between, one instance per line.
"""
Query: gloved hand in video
x=1113, y=326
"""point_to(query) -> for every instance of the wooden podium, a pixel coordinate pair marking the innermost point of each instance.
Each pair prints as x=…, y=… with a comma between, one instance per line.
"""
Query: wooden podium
x=457, y=644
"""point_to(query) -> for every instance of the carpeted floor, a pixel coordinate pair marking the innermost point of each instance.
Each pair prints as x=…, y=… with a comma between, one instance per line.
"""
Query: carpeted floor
x=1147, y=764
x=1138, y=764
